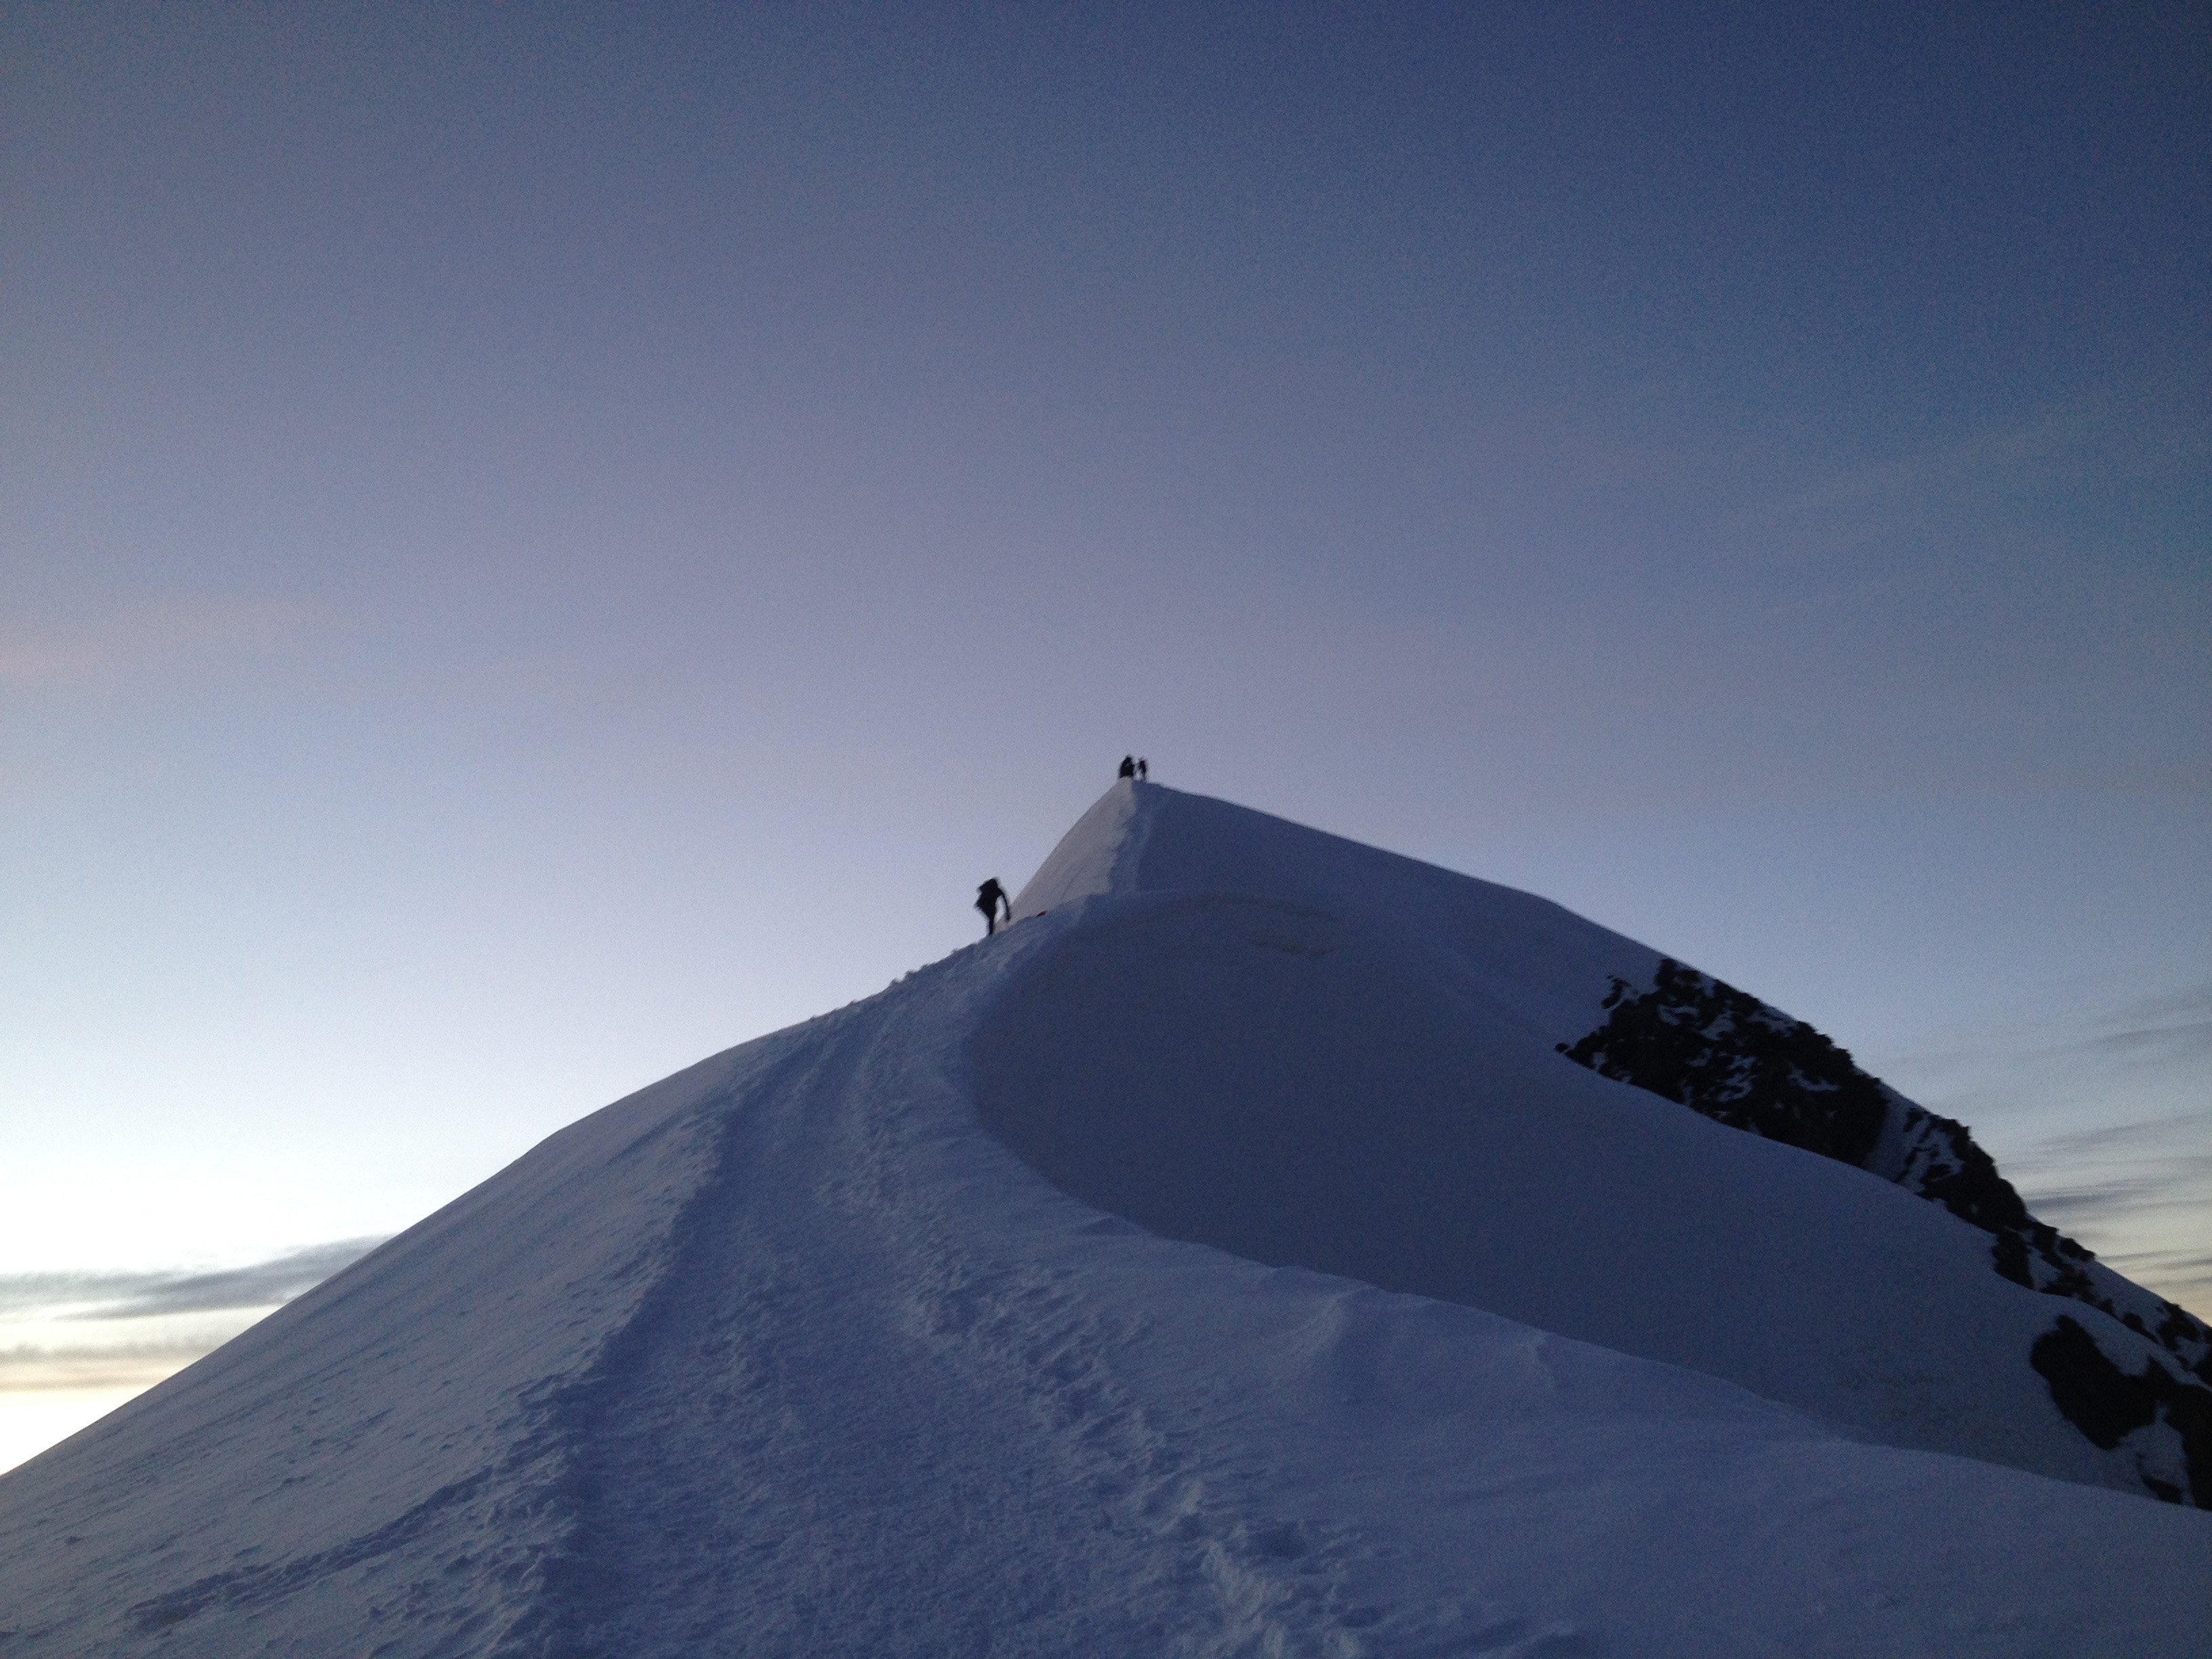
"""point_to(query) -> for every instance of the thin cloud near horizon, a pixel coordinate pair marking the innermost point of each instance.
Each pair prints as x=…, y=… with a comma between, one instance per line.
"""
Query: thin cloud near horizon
x=28, y=1368
x=2179, y=1020
x=98, y=1315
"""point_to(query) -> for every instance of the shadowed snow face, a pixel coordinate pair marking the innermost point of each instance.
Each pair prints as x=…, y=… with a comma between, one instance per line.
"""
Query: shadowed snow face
x=1348, y=1077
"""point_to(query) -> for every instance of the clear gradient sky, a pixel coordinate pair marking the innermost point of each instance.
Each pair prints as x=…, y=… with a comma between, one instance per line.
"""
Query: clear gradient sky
x=538, y=541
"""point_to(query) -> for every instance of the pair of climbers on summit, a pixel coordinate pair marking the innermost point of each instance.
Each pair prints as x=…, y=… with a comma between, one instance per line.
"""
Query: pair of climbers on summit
x=1135, y=765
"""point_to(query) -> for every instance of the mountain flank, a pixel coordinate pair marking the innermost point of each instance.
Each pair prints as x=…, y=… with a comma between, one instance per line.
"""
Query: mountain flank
x=1224, y=1258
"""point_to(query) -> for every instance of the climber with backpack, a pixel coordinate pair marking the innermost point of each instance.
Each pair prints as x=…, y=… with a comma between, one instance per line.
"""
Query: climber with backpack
x=989, y=897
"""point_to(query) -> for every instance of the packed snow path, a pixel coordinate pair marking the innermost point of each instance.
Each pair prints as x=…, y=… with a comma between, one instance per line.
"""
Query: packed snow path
x=789, y=1354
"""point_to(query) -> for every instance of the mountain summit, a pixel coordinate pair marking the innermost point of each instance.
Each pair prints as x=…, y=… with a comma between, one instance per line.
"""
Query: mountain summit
x=1267, y=1244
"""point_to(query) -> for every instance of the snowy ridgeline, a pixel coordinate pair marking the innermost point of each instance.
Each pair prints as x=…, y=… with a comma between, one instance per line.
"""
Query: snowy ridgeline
x=1227, y=1259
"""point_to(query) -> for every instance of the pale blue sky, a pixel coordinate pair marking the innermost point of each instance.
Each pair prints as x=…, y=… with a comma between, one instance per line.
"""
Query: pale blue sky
x=539, y=542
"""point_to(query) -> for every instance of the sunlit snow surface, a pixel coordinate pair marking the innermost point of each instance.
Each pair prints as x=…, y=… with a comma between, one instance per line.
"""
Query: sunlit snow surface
x=790, y=1354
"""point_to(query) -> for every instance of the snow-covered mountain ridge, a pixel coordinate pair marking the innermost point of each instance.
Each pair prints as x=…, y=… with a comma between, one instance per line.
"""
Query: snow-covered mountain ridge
x=1223, y=1261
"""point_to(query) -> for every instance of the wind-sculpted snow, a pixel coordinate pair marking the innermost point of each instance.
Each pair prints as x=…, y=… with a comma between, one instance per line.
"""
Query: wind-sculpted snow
x=1486, y=966
x=1278, y=1083
x=790, y=1355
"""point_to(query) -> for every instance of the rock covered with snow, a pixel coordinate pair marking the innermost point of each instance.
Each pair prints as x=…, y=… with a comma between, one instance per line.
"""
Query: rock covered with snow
x=1224, y=1260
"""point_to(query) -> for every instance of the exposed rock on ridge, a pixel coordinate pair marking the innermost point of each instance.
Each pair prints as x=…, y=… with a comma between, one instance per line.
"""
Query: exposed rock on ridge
x=1701, y=1043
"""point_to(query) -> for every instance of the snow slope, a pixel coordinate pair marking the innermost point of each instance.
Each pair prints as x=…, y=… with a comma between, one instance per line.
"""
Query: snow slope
x=790, y=1354
x=1310, y=1051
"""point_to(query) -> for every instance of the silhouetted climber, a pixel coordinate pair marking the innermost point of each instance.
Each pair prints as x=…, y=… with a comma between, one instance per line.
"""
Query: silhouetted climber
x=1128, y=766
x=988, y=897
x=1144, y=768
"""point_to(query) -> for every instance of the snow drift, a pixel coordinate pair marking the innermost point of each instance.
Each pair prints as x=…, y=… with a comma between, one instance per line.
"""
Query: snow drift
x=1268, y=1245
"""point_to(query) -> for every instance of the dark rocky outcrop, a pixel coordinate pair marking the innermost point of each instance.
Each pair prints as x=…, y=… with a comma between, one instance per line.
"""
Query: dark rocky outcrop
x=1938, y=1160
x=1695, y=1040
x=1728, y=1055
x=2108, y=1405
